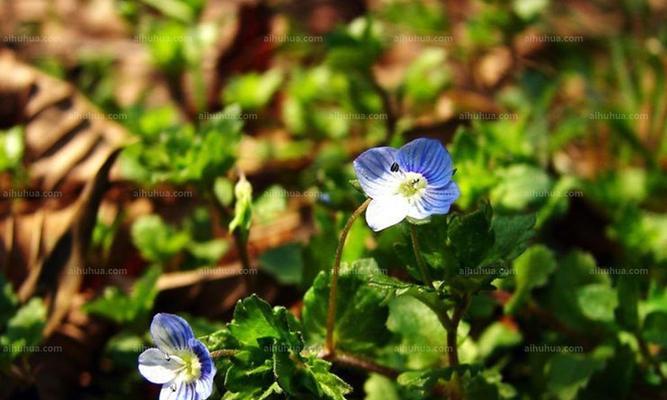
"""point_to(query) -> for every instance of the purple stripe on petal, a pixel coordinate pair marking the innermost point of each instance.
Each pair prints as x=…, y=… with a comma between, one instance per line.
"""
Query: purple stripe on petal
x=183, y=393
x=207, y=366
x=373, y=169
x=435, y=201
x=189, y=392
x=427, y=157
x=442, y=198
x=170, y=332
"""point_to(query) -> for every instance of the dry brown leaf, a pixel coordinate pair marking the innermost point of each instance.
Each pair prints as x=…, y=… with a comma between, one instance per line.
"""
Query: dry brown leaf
x=70, y=149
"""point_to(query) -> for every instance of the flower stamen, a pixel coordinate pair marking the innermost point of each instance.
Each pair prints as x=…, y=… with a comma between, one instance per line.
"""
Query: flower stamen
x=191, y=369
x=413, y=184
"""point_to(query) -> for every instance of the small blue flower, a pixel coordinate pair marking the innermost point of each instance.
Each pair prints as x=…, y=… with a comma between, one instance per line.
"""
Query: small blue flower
x=180, y=363
x=414, y=181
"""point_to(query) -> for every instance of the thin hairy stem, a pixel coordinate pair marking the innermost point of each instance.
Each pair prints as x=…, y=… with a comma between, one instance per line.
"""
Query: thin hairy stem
x=451, y=325
x=223, y=353
x=423, y=270
x=452, y=345
x=361, y=363
x=331, y=313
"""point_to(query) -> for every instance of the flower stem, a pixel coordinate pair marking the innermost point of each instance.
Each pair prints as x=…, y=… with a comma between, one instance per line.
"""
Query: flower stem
x=452, y=326
x=452, y=348
x=452, y=330
x=223, y=353
x=240, y=241
x=331, y=313
x=361, y=363
x=423, y=270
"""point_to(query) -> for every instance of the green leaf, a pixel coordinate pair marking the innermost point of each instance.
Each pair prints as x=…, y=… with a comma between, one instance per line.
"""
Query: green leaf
x=424, y=381
x=575, y=270
x=360, y=314
x=254, y=319
x=270, y=204
x=432, y=239
x=497, y=336
x=124, y=349
x=26, y=325
x=416, y=16
x=355, y=245
x=210, y=251
x=426, y=76
x=655, y=328
x=627, y=313
x=477, y=388
x=224, y=191
x=598, y=301
x=527, y=9
x=392, y=288
x=616, y=379
x=251, y=379
x=378, y=387
x=419, y=331
x=521, y=186
x=122, y=308
x=320, y=251
x=184, y=11
x=641, y=232
x=355, y=48
x=285, y=263
x=24, y=330
x=157, y=242
x=512, y=234
x=558, y=202
x=11, y=148
x=269, y=360
x=532, y=270
x=166, y=52
x=567, y=373
x=169, y=151
x=253, y=91
x=471, y=237
x=8, y=301
x=329, y=385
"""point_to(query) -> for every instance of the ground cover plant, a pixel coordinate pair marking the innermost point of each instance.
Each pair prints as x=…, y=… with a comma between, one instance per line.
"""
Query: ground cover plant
x=388, y=199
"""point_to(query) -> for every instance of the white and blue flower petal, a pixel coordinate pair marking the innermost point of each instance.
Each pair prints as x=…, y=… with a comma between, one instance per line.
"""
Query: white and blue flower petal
x=204, y=387
x=386, y=211
x=373, y=169
x=170, y=332
x=207, y=366
x=179, y=391
x=435, y=201
x=427, y=157
x=157, y=367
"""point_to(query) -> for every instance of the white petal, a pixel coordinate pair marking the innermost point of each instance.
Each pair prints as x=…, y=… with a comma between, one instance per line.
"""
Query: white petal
x=384, y=212
x=178, y=391
x=373, y=170
x=204, y=387
x=155, y=366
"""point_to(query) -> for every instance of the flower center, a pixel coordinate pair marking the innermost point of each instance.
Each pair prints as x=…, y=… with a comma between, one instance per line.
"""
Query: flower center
x=191, y=369
x=413, y=184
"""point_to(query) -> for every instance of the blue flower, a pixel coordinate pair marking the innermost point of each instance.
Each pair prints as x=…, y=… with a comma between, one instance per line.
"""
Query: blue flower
x=414, y=181
x=180, y=363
